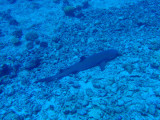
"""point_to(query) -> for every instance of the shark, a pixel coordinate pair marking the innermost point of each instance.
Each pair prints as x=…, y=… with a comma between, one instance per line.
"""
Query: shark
x=97, y=59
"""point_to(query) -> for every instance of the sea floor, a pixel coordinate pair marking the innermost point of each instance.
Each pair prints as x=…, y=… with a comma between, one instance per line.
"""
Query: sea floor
x=38, y=38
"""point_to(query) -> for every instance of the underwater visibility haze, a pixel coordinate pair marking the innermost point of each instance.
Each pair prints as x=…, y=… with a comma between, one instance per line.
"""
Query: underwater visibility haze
x=79, y=60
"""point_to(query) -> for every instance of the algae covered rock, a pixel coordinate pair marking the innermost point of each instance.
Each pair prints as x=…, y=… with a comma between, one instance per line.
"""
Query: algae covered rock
x=56, y=1
x=31, y=36
x=16, y=41
x=69, y=10
x=32, y=63
x=1, y=33
x=95, y=113
x=5, y=70
x=17, y=33
x=12, y=1
x=30, y=45
x=44, y=44
x=13, y=22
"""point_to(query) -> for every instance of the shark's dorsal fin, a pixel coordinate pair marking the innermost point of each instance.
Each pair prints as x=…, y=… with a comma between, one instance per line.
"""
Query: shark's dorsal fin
x=82, y=58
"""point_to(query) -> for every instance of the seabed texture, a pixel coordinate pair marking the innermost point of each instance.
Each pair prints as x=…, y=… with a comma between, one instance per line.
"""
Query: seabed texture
x=38, y=38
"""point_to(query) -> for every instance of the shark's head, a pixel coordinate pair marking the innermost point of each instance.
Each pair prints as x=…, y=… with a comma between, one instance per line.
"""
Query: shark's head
x=112, y=54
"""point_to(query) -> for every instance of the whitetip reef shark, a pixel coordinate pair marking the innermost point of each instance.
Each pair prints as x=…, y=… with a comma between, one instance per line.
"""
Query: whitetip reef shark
x=98, y=59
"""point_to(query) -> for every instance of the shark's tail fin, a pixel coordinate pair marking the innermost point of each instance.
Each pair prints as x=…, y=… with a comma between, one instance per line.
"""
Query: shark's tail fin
x=53, y=78
x=48, y=79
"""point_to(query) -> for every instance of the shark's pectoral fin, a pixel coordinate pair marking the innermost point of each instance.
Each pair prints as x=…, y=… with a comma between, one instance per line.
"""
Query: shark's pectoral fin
x=75, y=72
x=61, y=70
x=102, y=66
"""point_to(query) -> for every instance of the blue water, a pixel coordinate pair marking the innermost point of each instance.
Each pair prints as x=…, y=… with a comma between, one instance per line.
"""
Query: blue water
x=38, y=38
